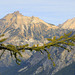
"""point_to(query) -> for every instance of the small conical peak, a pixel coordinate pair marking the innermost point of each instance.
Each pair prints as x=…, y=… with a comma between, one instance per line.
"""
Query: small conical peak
x=17, y=13
x=73, y=18
x=11, y=15
x=32, y=16
x=69, y=24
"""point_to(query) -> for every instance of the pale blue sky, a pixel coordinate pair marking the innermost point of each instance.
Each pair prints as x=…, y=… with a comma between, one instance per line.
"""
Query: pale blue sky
x=51, y=11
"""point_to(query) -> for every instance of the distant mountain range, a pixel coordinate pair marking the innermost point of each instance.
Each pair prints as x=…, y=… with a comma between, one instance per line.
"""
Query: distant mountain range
x=21, y=30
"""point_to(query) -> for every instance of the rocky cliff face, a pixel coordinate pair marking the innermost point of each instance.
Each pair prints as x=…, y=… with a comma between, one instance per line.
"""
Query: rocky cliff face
x=39, y=64
x=21, y=30
x=69, y=24
x=17, y=26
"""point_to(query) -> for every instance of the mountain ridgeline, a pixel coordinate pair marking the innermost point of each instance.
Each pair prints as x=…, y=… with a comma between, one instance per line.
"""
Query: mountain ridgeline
x=69, y=24
x=21, y=30
x=19, y=26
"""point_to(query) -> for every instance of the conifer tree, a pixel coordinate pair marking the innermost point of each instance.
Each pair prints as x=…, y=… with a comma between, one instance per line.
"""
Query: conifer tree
x=66, y=40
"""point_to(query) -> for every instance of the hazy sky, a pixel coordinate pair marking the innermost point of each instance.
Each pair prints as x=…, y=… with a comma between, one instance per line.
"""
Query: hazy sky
x=51, y=11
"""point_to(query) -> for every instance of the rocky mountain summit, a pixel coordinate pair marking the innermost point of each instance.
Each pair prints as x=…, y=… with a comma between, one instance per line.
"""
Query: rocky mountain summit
x=69, y=24
x=17, y=26
x=21, y=30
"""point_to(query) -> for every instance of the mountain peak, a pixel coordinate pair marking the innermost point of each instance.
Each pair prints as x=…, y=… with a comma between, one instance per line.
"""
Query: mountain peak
x=17, y=19
x=16, y=13
x=24, y=25
x=69, y=24
x=12, y=15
